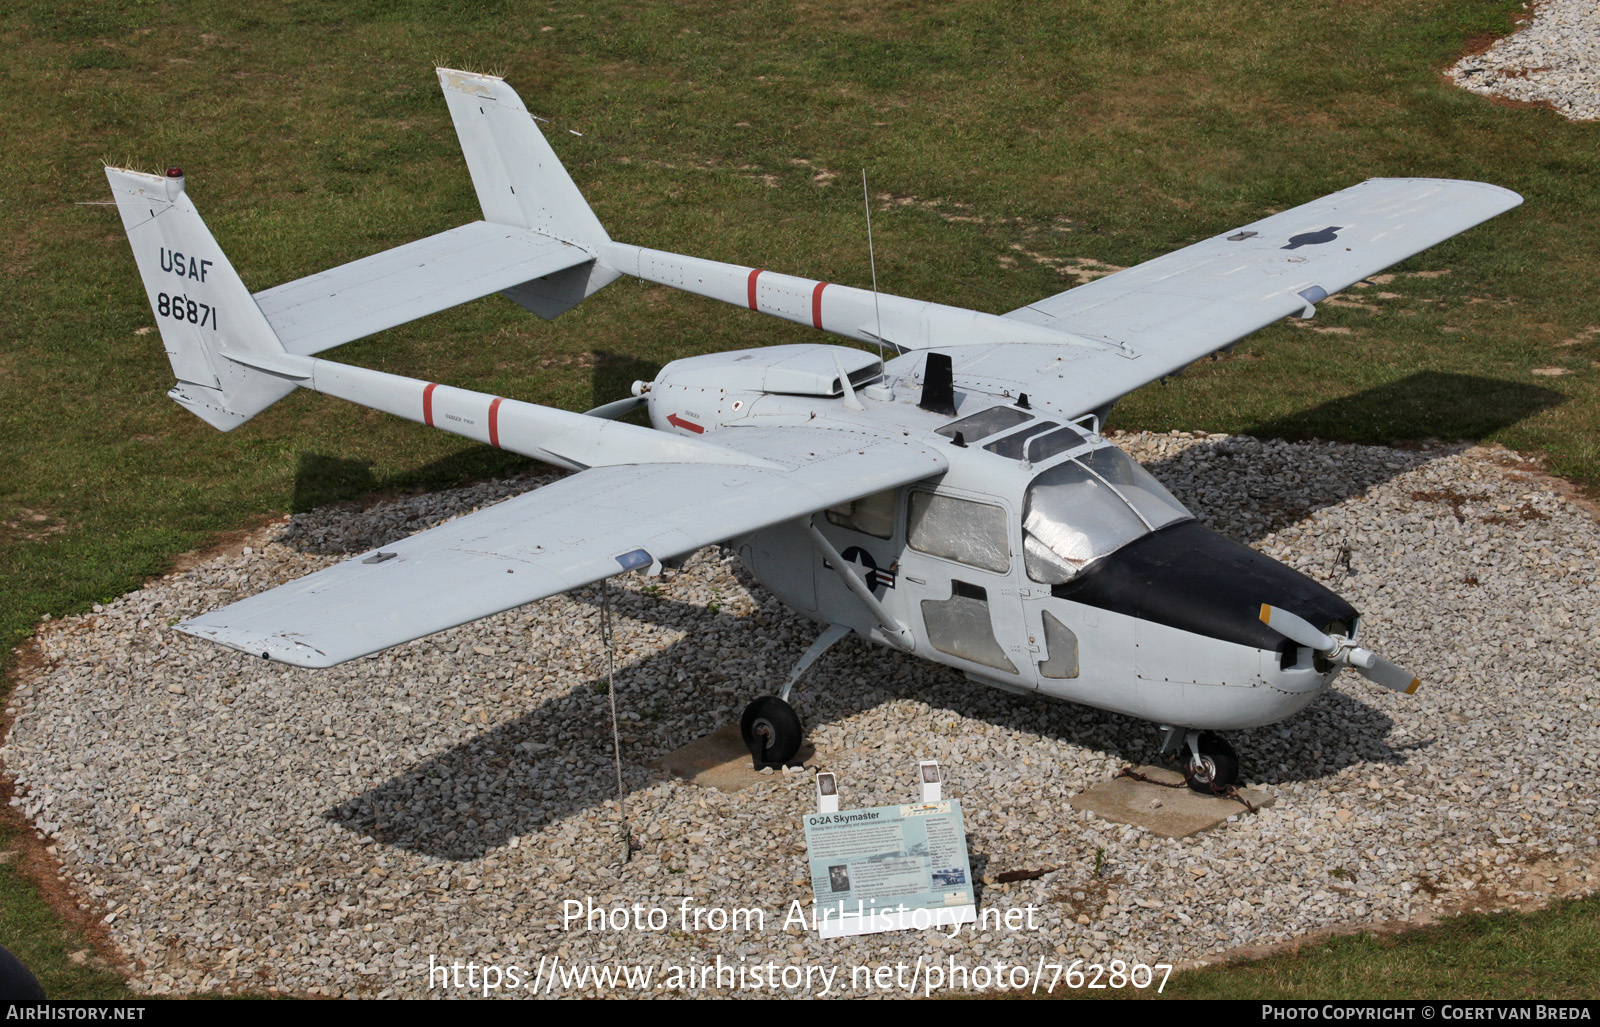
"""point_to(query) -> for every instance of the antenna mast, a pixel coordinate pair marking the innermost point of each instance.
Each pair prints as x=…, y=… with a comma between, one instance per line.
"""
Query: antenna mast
x=872, y=256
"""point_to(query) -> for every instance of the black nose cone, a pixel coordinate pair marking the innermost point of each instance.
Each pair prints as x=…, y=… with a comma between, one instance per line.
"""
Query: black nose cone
x=1188, y=577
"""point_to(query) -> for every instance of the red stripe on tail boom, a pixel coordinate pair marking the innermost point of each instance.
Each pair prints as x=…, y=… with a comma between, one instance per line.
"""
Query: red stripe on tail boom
x=816, y=304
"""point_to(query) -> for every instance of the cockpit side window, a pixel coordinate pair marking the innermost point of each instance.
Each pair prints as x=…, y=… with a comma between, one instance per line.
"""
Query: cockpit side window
x=958, y=529
x=870, y=515
x=985, y=423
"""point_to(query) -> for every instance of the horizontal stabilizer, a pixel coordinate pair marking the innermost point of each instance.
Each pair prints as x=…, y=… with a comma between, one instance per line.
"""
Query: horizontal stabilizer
x=374, y=293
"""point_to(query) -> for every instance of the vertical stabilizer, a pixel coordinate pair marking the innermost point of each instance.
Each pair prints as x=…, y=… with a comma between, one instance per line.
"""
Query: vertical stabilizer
x=202, y=309
x=519, y=179
x=521, y=183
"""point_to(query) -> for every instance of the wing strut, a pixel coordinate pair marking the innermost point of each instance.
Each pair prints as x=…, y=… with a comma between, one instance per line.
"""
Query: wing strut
x=894, y=633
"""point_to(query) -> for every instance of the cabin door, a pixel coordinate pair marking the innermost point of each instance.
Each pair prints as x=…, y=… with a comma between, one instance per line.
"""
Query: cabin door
x=958, y=573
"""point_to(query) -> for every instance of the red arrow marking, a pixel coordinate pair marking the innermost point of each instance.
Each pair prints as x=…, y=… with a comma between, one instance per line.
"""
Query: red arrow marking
x=674, y=419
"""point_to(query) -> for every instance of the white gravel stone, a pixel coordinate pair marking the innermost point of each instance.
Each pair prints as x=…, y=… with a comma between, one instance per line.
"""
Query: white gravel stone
x=1553, y=58
x=248, y=826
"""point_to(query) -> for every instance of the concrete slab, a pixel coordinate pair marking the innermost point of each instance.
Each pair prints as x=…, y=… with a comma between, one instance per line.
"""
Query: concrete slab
x=720, y=760
x=1168, y=812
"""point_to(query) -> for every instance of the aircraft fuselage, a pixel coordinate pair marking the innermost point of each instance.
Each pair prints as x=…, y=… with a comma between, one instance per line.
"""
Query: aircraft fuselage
x=1138, y=609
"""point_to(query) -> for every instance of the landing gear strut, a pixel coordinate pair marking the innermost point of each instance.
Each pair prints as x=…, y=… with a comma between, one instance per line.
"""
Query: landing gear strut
x=772, y=730
x=770, y=726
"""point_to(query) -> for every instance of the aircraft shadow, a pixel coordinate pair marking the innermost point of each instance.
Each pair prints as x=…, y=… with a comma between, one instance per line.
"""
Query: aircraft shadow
x=613, y=376
x=555, y=760
x=1247, y=489
x=1427, y=404
x=1250, y=489
x=1336, y=731
x=551, y=762
x=322, y=480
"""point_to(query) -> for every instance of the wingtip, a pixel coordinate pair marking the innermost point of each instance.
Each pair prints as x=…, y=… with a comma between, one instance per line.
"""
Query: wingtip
x=476, y=83
x=1415, y=684
x=270, y=647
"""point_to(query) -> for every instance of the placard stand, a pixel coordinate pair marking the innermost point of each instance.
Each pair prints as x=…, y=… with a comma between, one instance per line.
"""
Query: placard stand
x=889, y=868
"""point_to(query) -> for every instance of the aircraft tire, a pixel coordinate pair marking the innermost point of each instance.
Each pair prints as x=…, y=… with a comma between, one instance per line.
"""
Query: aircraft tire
x=772, y=730
x=1221, y=766
x=17, y=982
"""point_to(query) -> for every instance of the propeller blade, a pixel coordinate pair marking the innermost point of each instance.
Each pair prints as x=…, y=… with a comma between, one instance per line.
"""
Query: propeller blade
x=619, y=408
x=1365, y=662
x=1296, y=628
x=1390, y=676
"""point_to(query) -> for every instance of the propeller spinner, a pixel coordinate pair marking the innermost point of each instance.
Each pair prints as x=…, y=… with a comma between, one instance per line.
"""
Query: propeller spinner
x=1339, y=650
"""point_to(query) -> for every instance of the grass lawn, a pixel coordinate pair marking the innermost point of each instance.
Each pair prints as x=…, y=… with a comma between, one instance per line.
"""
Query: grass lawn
x=1016, y=148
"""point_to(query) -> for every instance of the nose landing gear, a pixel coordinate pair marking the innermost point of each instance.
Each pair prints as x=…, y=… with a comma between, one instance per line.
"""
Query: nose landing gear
x=1213, y=766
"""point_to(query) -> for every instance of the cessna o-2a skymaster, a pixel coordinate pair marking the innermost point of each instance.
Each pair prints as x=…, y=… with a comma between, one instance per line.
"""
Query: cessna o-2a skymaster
x=957, y=501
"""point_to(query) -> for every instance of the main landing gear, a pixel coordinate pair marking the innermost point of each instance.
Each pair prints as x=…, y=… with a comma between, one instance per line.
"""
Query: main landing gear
x=770, y=726
x=1213, y=766
x=772, y=731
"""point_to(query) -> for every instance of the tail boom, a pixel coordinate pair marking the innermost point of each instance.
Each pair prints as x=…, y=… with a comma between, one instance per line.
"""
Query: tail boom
x=562, y=437
x=905, y=324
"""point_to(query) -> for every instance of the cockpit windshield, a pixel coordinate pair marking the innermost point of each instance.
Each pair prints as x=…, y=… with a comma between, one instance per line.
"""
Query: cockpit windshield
x=1083, y=508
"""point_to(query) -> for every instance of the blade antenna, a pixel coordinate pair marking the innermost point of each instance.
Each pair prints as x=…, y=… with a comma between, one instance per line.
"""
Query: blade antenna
x=872, y=256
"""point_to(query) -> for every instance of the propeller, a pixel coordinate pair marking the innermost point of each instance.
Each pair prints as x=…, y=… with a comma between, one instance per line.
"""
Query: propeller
x=1339, y=650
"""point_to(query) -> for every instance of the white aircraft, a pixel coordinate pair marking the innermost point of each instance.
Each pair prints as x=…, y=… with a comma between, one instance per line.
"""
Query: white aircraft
x=957, y=501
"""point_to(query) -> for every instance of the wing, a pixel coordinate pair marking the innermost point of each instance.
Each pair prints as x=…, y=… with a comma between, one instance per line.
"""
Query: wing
x=1166, y=313
x=578, y=530
x=355, y=300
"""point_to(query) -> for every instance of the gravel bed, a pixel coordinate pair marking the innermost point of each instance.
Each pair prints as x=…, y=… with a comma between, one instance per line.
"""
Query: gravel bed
x=1554, y=58
x=244, y=825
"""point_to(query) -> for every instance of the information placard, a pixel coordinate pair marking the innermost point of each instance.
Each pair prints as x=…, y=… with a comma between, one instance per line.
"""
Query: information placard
x=889, y=868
